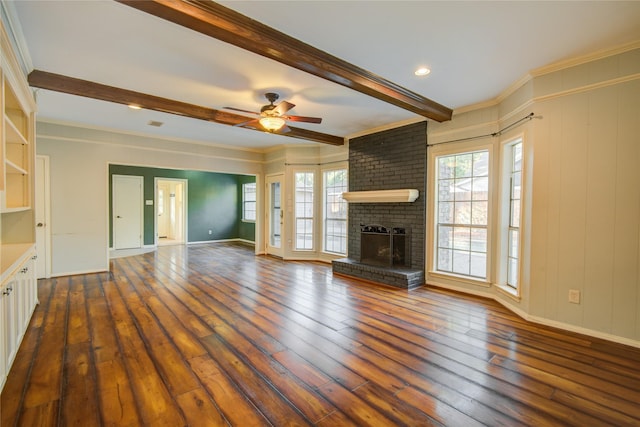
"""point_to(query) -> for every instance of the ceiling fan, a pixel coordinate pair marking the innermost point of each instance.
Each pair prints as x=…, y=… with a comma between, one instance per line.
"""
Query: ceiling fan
x=273, y=117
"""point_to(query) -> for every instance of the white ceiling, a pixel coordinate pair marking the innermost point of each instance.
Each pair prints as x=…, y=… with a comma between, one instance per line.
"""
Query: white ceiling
x=476, y=50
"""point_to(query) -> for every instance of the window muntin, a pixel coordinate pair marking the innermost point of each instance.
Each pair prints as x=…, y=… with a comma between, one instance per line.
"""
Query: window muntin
x=515, y=204
x=462, y=213
x=304, y=208
x=335, y=182
x=249, y=202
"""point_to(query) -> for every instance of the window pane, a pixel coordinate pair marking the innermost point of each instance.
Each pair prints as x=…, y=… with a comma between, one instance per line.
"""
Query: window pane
x=304, y=210
x=249, y=201
x=462, y=202
x=481, y=163
x=478, y=266
x=512, y=272
x=462, y=190
x=446, y=166
x=335, y=211
x=479, y=239
x=513, y=231
x=515, y=185
x=446, y=190
x=445, y=213
x=481, y=188
x=514, y=236
x=461, y=262
x=462, y=213
x=445, y=237
x=464, y=165
x=462, y=238
x=479, y=213
x=515, y=213
x=445, y=262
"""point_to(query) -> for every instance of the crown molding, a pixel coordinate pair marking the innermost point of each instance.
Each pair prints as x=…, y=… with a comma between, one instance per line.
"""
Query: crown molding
x=14, y=31
x=583, y=59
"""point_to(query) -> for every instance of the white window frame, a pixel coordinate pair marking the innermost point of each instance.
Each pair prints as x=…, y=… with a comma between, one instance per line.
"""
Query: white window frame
x=244, y=201
x=444, y=277
x=505, y=217
x=325, y=206
x=312, y=219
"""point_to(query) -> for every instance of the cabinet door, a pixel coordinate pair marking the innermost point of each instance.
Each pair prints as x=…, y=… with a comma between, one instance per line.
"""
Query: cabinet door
x=9, y=324
x=3, y=334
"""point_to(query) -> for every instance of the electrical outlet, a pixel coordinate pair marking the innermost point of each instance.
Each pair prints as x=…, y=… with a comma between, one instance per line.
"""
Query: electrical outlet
x=210, y=231
x=574, y=296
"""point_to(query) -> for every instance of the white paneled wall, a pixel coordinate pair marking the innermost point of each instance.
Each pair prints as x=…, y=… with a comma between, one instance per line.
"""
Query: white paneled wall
x=585, y=196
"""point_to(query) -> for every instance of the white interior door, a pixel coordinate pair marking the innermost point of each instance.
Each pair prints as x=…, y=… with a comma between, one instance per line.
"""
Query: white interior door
x=43, y=231
x=127, y=211
x=275, y=215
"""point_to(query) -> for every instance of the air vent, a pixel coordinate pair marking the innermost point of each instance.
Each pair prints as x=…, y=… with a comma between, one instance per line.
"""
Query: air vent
x=154, y=123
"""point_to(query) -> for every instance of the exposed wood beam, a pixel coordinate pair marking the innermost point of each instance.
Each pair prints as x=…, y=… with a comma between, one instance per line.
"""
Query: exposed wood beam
x=232, y=27
x=73, y=86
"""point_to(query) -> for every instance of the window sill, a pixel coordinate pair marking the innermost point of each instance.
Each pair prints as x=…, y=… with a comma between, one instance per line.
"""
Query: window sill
x=459, y=278
x=248, y=221
x=514, y=294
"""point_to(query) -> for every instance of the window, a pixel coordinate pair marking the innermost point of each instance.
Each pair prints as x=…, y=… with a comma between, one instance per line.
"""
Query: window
x=249, y=201
x=335, y=211
x=515, y=194
x=462, y=188
x=304, y=210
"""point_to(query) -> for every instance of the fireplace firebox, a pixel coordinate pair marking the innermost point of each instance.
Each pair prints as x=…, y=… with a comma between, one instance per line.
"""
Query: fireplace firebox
x=385, y=246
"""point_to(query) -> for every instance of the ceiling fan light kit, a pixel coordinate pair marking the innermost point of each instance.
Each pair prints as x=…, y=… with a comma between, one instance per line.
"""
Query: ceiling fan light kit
x=272, y=124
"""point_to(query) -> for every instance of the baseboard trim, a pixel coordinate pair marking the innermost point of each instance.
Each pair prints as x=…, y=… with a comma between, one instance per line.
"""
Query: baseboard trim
x=541, y=320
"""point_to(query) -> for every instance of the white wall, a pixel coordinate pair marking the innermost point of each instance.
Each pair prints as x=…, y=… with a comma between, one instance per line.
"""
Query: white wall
x=583, y=151
x=79, y=160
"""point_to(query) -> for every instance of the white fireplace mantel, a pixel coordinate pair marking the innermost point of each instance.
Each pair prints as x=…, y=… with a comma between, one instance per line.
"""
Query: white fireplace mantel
x=406, y=195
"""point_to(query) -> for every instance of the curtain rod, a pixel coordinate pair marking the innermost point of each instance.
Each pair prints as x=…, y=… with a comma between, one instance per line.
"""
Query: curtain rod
x=314, y=164
x=494, y=134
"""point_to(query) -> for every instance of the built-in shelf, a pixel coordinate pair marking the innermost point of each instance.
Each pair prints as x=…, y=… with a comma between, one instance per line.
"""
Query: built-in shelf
x=405, y=195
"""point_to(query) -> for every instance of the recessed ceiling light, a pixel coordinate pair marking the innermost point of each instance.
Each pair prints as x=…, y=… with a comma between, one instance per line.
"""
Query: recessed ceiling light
x=135, y=107
x=422, y=71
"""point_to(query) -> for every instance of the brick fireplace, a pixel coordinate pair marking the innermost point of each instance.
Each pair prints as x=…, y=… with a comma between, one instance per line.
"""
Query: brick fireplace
x=388, y=160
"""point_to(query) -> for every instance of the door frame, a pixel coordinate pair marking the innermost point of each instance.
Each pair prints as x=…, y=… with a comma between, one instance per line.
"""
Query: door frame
x=185, y=209
x=271, y=250
x=47, y=214
x=113, y=208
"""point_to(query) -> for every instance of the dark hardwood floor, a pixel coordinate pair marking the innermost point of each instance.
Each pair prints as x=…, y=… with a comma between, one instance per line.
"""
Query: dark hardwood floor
x=213, y=335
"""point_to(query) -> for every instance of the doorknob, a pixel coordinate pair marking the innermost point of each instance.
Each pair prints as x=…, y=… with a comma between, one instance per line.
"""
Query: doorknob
x=39, y=224
x=118, y=216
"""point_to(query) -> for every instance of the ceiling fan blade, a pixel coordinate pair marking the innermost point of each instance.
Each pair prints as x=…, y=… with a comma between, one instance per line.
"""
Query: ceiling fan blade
x=304, y=119
x=283, y=107
x=248, y=123
x=284, y=129
x=239, y=109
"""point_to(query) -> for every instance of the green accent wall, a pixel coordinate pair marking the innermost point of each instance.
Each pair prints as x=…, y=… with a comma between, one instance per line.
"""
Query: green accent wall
x=214, y=202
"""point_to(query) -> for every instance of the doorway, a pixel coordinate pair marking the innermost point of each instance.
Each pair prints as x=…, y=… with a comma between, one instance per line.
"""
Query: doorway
x=42, y=212
x=275, y=215
x=171, y=211
x=127, y=211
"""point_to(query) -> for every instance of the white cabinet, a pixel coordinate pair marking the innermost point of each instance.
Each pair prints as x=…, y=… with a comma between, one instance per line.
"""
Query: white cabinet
x=18, y=299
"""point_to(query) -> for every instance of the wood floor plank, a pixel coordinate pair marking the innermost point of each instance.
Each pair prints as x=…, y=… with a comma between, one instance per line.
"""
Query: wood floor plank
x=233, y=404
x=154, y=401
x=212, y=334
x=199, y=410
x=80, y=405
